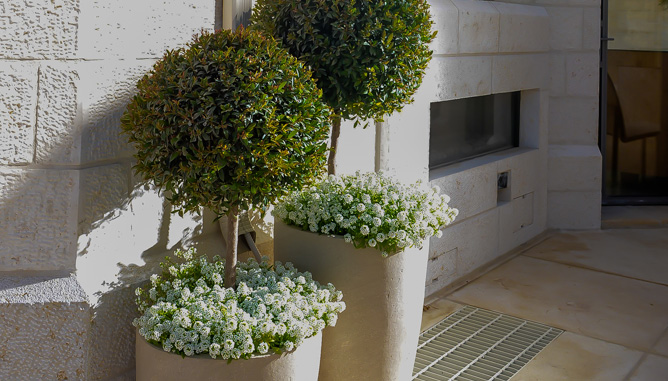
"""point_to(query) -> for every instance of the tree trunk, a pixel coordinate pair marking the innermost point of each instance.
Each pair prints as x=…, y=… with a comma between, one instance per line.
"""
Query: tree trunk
x=231, y=255
x=381, y=159
x=336, y=131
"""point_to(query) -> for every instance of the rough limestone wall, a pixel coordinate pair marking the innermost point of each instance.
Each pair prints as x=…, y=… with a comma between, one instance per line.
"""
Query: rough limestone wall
x=77, y=233
x=574, y=163
x=38, y=198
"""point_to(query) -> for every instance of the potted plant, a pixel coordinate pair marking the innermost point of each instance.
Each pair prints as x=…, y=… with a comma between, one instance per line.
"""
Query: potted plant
x=230, y=122
x=368, y=57
x=274, y=309
x=364, y=233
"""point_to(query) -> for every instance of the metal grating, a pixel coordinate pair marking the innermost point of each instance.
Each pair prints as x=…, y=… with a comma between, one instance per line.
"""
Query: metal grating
x=477, y=344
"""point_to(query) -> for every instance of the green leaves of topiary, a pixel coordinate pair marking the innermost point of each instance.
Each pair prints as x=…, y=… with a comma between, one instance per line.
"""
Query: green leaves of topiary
x=368, y=57
x=230, y=121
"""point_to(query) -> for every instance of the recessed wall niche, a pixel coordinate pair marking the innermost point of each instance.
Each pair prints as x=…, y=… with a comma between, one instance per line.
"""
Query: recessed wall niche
x=465, y=128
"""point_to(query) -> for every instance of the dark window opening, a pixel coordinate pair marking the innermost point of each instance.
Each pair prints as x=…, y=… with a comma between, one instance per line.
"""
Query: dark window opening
x=462, y=129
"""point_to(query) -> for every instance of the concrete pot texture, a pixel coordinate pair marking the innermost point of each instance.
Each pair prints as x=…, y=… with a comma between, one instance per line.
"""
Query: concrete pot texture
x=376, y=337
x=302, y=364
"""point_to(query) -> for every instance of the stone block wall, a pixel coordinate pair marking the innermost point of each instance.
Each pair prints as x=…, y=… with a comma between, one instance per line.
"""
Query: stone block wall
x=548, y=50
x=481, y=48
x=77, y=233
x=574, y=44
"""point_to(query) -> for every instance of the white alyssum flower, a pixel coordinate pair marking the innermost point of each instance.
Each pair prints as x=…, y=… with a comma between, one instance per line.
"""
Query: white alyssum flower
x=186, y=310
x=370, y=210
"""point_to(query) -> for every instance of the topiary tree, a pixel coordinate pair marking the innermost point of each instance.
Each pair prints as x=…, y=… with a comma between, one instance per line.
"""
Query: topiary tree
x=368, y=57
x=231, y=121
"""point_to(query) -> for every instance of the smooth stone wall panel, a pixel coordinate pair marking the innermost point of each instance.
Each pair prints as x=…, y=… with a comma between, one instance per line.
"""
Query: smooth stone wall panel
x=464, y=247
x=519, y=72
x=574, y=168
x=450, y=78
x=574, y=210
x=446, y=21
x=478, y=26
x=573, y=121
x=582, y=74
x=522, y=28
x=566, y=26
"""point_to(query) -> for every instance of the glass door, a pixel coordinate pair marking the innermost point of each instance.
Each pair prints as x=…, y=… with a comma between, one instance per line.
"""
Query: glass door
x=634, y=105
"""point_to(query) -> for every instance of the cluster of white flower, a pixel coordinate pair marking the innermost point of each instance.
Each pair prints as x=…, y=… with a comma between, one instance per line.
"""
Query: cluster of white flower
x=369, y=210
x=187, y=310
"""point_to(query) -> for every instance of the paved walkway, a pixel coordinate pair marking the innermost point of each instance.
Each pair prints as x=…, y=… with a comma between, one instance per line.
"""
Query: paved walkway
x=608, y=289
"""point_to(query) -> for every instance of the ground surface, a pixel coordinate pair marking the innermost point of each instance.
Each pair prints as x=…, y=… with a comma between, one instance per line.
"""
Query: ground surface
x=608, y=289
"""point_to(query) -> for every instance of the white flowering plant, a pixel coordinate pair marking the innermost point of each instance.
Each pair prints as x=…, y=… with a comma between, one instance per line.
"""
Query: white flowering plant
x=273, y=309
x=369, y=210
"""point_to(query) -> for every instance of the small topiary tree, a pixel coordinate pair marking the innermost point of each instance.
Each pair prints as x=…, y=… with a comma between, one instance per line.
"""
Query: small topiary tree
x=231, y=121
x=368, y=57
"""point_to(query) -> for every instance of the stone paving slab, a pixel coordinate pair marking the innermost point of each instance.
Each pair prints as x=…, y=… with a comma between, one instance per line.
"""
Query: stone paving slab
x=607, y=288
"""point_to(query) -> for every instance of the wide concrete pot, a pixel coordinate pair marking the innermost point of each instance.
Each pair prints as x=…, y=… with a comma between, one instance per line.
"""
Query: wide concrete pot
x=376, y=337
x=301, y=364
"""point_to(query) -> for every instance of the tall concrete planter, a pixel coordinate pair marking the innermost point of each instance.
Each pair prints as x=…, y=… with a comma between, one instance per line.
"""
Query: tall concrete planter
x=376, y=337
x=301, y=364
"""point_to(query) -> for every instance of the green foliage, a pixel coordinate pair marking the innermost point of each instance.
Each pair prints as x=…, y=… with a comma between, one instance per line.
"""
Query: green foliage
x=368, y=57
x=230, y=121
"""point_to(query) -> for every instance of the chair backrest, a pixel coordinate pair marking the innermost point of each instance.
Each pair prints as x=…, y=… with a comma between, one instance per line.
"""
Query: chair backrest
x=638, y=91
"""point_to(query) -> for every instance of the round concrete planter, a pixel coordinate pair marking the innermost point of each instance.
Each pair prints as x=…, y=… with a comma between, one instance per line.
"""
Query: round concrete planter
x=376, y=337
x=299, y=365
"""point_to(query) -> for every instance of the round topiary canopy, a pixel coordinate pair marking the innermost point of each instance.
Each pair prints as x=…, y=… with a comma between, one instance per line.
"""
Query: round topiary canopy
x=367, y=56
x=230, y=121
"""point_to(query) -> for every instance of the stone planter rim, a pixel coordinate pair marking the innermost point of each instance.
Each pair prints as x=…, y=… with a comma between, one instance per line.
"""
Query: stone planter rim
x=340, y=237
x=207, y=356
x=300, y=364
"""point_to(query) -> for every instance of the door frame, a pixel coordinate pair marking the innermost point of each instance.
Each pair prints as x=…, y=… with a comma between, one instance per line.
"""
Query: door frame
x=607, y=199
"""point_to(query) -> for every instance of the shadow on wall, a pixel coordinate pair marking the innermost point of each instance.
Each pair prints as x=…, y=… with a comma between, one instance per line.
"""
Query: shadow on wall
x=119, y=253
x=124, y=229
x=75, y=207
x=96, y=221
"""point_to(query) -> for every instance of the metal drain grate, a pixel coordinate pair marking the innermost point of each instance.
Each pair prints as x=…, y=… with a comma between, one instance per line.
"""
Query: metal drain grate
x=477, y=344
